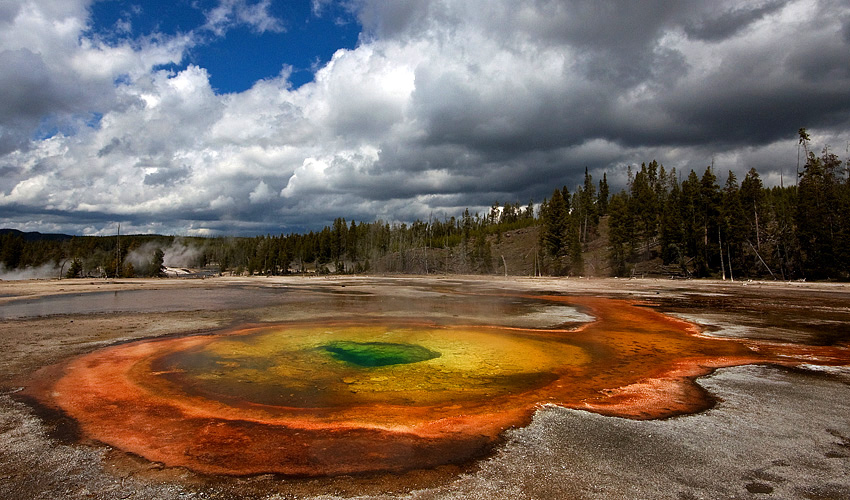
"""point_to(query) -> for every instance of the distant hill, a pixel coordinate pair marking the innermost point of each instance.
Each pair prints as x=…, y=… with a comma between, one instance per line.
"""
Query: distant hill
x=35, y=235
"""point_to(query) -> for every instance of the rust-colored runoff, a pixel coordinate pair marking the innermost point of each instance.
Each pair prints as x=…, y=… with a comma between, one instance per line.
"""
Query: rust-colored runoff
x=272, y=399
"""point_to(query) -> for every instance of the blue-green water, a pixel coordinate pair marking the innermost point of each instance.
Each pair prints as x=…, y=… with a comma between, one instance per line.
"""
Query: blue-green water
x=371, y=354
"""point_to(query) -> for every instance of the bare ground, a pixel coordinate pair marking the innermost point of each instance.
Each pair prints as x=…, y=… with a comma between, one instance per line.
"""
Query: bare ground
x=775, y=433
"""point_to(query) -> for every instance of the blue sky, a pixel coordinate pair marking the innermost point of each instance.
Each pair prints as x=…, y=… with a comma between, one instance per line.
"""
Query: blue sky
x=304, y=38
x=245, y=117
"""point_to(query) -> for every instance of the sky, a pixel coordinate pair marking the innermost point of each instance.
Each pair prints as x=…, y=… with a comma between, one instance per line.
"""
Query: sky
x=245, y=117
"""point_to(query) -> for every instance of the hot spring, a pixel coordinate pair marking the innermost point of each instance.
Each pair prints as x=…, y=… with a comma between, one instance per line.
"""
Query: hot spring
x=370, y=391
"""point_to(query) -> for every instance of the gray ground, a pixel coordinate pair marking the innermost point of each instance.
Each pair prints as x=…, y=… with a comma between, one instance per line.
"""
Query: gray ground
x=775, y=433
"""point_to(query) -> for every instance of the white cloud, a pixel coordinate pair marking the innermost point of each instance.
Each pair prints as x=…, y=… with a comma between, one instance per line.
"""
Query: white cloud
x=53, y=76
x=261, y=193
x=231, y=13
x=309, y=177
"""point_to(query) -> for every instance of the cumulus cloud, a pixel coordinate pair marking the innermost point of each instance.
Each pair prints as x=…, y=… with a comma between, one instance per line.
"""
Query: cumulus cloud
x=232, y=13
x=444, y=104
x=261, y=193
x=53, y=79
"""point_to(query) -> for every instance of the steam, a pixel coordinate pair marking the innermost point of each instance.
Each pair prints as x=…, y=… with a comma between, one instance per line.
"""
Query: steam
x=177, y=254
x=180, y=255
x=141, y=257
x=46, y=271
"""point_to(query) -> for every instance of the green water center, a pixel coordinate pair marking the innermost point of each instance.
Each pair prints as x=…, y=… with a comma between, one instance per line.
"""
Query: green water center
x=372, y=354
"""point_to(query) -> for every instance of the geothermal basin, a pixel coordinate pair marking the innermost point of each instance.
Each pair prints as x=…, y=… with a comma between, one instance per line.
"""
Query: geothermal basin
x=388, y=385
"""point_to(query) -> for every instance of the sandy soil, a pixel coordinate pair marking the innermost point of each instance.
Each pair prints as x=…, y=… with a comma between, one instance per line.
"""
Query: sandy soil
x=774, y=432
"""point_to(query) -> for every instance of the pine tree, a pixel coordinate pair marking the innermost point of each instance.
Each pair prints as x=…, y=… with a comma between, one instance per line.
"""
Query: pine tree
x=710, y=217
x=556, y=225
x=692, y=221
x=602, y=198
x=576, y=220
x=671, y=232
x=587, y=210
x=643, y=206
x=752, y=199
x=12, y=250
x=158, y=264
x=621, y=234
x=780, y=246
x=734, y=228
x=817, y=216
x=75, y=270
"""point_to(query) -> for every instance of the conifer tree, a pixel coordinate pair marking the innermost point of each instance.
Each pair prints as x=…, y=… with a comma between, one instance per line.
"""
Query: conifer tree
x=643, y=206
x=733, y=227
x=710, y=207
x=158, y=264
x=819, y=227
x=621, y=234
x=602, y=197
x=692, y=220
x=555, y=225
x=671, y=233
x=587, y=213
x=752, y=199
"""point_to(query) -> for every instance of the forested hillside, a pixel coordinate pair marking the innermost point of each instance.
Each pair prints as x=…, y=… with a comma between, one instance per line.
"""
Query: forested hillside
x=661, y=224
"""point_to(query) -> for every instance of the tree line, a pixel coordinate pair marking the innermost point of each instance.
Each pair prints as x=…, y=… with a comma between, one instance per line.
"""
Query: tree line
x=448, y=245
x=691, y=227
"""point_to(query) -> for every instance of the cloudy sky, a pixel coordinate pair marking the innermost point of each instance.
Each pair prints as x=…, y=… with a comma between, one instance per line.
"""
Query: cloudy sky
x=204, y=117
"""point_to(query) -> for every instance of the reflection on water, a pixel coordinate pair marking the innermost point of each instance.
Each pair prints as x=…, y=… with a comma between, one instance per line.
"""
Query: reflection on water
x=188, y=299
x=313, y=301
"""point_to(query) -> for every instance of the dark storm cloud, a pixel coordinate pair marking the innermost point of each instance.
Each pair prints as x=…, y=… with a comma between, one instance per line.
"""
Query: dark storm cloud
x=510, y=116
x=618, y=50
x=9, y=11
x=616, y=40
x=717, y=27
x=27, y=87
x=752, y=116
x=30, y=92
x=845, y=29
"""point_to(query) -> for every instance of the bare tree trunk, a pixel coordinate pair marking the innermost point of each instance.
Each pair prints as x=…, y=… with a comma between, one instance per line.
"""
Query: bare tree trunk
x=762, y=261
x=425, y=253
x=758, y=238
x=584, y=236
x=729, y=254
x=720, y=245
x=118, y=255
